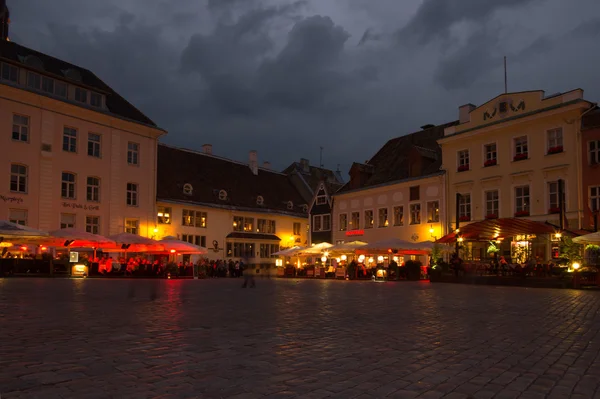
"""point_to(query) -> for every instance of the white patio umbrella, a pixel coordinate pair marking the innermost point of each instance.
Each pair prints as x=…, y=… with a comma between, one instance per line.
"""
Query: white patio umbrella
x=136, y=243
x=173, y=244
x=10, y=232
x=592, y=238
x=347, y=247
x=397, y=244
x=293, y=251
x=76, y=238
x=316, y=249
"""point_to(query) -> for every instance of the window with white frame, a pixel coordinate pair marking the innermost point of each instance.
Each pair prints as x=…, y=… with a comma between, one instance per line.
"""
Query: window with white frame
x=522, y=200
x=133, y=153
x=48, y=84
x=343, y=221
x=399, y=215
x=93, y=189
x=595, y=198
x=317, y=223
x=95, y=100
x=266, y=226
x=18, y=216
x=34, y=81
x=463, y=160
x=193, y=218
x=132, y=194
x=67, y=220
x=132, y=226
x=555, y=140
x=92, y=224
x=297, y=228
x=60, y=89
x=67, y=187
x=369, y=220
x=492, y=204
x=81, y=95
x=433, y=212
x=326, y=222
x=383, y=218
x=94, y=145
x=163, y=215
x=553, y=197
x=521, y=148
x=10, y=73
x=355, y=220
x=594, y=152
x=321, y=199
x=415, y=214
x=464, y=207
x=491, y=154
x=20, y=128
x=69, y=139
x=18, y=178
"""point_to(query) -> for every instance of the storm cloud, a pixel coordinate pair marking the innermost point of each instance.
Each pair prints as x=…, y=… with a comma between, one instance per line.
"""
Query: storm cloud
x=285, y=77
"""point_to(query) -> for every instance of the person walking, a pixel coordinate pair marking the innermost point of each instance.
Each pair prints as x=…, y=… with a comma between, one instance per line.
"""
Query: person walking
x=248, y=277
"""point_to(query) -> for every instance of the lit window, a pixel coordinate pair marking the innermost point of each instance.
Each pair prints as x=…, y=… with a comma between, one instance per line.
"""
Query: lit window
x=522, y=201
x=10, y=73
x=369, y=219
x=132, y=226
x=67, y=188
x=265, y=226
x=238, y=223
x=133, y=152
x=193, y=218
x=355, y=220
x=433, y=212
x=69, y=139
x=398, y=216
x=297, y=228
x=93, y=189
x=132, y=194
x=383, y=218
x=164, y=215
x=18, y=178
x=94, y=145
x=464, y=207
x=20, y=128
x=343, y=222
x=67, y=220
x=415, y=214
x=81, y=95
x=92, y=224
x=18, y=216
x=555, y=141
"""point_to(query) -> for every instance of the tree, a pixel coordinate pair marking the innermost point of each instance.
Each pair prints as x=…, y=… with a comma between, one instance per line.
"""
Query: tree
x=570, y=252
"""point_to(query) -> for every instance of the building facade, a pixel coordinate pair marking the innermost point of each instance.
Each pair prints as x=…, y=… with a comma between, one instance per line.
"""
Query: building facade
x=507, y=157
x=590, y=148
x=234, y=209
x=73, y=153
x=316, y=185
x=399, y=193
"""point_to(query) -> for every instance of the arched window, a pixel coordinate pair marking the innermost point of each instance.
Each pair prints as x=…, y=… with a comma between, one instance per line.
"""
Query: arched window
x=222, y=195
x=290, y=205
x=188, y=189
x=260, y=200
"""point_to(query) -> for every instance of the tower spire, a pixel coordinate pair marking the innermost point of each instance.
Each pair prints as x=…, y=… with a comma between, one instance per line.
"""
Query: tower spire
x=4, y=20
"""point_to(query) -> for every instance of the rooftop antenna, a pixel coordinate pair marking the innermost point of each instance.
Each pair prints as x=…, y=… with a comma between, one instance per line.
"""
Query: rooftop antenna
x=505, y=77
x=321, y=158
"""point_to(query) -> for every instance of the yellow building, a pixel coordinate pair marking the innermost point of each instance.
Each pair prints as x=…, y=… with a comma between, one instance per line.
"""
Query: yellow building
x=399, y=193
x=505, y=158
x=236, y=210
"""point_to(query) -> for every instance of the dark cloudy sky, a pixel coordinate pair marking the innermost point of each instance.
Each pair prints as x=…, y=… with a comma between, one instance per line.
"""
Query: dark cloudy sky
x=285, y=77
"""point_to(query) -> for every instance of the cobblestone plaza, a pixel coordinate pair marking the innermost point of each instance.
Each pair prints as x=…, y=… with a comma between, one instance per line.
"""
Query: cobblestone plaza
x=294, y=338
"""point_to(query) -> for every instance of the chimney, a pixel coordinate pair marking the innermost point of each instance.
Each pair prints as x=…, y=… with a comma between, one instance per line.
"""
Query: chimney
x=305, y=165
x=253, y=162
x=267, y=165
x=463, y=113
x=207, y=149
x=4, y=20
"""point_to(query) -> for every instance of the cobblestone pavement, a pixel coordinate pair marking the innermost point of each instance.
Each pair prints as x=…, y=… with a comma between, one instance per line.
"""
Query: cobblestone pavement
x=294, y=338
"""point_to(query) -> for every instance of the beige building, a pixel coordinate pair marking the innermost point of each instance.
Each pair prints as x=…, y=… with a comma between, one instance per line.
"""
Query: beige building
x=73, y=153
x=506, y=158
x=398, y=193
x=235, y=209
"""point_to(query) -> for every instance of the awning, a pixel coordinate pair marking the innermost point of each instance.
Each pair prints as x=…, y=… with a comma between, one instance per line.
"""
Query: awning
x=254, y=236
x=498, y=228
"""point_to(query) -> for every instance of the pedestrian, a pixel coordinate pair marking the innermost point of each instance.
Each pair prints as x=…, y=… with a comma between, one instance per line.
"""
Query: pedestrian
x=248, y=277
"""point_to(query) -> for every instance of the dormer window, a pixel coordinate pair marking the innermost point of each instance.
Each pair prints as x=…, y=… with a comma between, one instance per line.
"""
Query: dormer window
x=73, y=74
x=305, y=208
x=34, y=80
x=10, y=73
x=95, y=99
x=260, y=200
x=290, y=205
x=187, y=189
x=81, y=95
x=222, y=195
x=33, y=62
x=321, y=199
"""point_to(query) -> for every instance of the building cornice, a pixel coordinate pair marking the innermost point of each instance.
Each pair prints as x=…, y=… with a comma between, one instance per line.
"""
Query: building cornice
x=233, y=208
x=391, y=183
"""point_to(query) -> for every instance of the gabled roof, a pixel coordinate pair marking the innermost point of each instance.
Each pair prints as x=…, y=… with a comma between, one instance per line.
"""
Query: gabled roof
x=391, y=162
x=53, y=67
x=316, y=175
x=209, y=174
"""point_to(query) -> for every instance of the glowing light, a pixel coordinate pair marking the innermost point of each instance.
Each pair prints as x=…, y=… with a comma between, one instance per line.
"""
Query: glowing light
x=160, y=214
x=344, y=257
x=326, y=253
x=371, y=260
x=395, y=258
x=361, y=258
x=380, y=258
x=6, y=244
x=278, y=262
x=576, y=265
x=155, y=230
x=457, y=231
x=337, y=260
x=173, y=251
x=431, y=230
x=460, y=239
x=558, y=235
x=324, y=259
x=44, y=248
x=23, y=248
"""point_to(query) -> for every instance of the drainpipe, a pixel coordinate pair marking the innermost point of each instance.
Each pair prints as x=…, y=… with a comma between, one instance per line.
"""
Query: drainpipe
x=580, y=164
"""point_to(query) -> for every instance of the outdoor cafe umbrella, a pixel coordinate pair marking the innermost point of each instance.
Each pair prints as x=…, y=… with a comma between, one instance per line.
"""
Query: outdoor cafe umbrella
x=293, y=251
x=11, y=232
x=347, y=247
x=174, y=245
x=392, y=243
x=71, y=237
x=593, y=238
x=136, y=243
x=317, y=248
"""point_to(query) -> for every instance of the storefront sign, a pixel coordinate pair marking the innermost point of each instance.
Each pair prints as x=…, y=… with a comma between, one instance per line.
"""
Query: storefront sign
x=525, y=237
x=81, y=206
x=12, y=200
x=355, y=233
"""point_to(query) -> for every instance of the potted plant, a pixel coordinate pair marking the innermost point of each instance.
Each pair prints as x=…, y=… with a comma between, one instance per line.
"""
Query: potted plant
x=554, y=210
x=492, y=249
x=521, y=156
x=463, y=168
x=521, y=213
x=465, y=218
x=490, y=162
x=555, y=150
x=491, y=216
